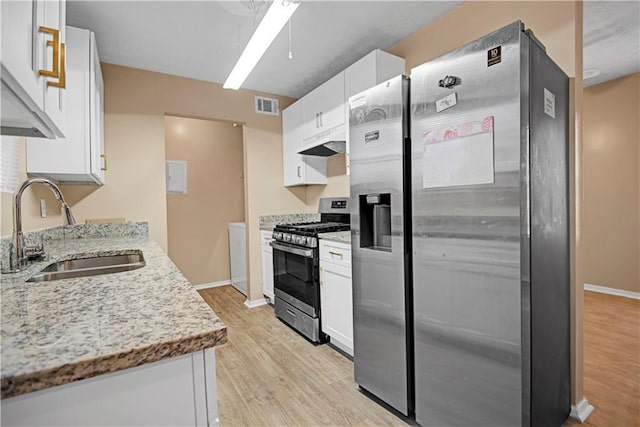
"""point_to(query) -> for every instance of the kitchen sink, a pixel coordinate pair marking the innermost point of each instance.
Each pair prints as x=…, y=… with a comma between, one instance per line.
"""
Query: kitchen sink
x=90, y=266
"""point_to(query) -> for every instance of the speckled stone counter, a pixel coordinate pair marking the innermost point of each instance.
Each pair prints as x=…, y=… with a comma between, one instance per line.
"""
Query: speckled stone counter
x=268, y=222
x=61, y=331
x=339, y=236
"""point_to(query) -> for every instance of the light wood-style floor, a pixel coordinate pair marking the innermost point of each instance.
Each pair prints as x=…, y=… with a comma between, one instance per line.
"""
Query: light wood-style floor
x=269, y=375
x=612, y=359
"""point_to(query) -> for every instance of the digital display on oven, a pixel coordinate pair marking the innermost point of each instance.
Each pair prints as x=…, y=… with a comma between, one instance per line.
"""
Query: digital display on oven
x=338, y=204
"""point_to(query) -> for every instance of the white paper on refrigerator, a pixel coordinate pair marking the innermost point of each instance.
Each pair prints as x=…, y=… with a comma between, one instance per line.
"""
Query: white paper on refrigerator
x=459, y=155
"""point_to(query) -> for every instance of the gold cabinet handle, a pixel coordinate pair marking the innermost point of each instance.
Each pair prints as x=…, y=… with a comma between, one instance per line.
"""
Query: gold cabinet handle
x=104, y=157
x=55, y=43
x=337, y=255
x=58, y=70
x=62, y=79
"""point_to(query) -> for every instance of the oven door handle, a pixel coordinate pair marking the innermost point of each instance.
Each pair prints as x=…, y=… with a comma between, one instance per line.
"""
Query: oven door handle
x=307, y=253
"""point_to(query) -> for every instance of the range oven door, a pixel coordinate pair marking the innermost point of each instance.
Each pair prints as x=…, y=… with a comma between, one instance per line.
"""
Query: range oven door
x=295, y=276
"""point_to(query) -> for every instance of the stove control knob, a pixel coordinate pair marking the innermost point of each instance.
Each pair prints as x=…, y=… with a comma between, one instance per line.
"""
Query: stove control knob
x=287, y=237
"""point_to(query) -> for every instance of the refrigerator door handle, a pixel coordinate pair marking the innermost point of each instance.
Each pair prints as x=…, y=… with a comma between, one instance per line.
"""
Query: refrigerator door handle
x=527, y=213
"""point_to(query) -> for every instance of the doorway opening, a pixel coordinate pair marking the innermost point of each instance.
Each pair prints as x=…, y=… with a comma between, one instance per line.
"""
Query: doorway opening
x=200, y=209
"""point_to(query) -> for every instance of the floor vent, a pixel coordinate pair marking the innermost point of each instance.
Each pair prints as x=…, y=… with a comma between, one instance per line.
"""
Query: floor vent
x=267, y=106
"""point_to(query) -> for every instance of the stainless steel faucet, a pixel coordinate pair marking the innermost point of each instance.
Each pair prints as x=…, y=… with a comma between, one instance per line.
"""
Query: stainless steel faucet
x=19, y=252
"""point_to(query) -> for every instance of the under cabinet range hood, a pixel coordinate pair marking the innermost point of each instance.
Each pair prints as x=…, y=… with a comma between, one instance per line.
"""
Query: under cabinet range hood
x=325, y=149
x=326, y=143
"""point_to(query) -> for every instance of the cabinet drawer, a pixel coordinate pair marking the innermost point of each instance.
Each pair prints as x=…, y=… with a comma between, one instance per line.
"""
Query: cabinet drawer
x=337, y=253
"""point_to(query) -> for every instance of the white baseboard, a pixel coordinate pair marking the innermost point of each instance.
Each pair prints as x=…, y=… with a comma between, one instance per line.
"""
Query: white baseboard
x=348, y=350
x=255, y=303
x=611, y=291
x=212, y=284
x=581, y=411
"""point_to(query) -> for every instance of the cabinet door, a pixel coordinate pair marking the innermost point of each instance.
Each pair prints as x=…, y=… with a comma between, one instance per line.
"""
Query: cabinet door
x=332, y=113
x=20, y=46
x=337, y=303
x=323, y=108
x=267, y=265
x=292, y=163
x=76, y=158
x=298, y=169
x=54, y=17
x=96, y=95
x=179, y=391
x=311, y=107
x=361, y=75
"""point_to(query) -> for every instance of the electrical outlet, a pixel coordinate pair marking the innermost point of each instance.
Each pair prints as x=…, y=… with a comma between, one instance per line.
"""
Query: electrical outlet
x=43, y=208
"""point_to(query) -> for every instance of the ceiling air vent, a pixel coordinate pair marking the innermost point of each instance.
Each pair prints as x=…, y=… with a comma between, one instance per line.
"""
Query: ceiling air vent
x=267, y=106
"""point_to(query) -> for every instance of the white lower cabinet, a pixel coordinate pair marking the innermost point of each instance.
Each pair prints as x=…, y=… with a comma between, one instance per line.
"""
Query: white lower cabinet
x=267, y=264
x=336, y=295
x=180, y=391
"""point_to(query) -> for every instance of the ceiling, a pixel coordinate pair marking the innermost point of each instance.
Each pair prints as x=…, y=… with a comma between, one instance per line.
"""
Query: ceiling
x=611, y=39
x=203, y=39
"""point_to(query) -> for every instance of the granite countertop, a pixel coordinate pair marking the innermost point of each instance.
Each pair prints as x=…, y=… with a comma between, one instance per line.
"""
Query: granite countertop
x=338, y=236
x=61, y=331
x=268, y=222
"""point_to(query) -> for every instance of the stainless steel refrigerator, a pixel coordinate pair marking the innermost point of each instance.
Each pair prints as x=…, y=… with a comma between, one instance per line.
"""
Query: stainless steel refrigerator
x=380, y=237
x=478, y=246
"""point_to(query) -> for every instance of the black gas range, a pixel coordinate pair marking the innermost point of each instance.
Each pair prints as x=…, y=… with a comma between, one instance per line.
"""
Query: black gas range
x=306, y=233
x=296, y=267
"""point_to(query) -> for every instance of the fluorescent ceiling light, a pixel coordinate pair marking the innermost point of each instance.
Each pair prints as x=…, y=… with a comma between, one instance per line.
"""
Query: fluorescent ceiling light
x=273, y=21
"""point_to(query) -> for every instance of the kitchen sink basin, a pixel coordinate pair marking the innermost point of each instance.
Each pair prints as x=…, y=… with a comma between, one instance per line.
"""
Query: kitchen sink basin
x=90, y=266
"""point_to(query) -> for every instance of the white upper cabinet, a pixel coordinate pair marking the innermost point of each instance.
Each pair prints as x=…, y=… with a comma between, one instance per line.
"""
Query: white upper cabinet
x=375, y=68
x=79, y=157
x=96, y=100
x=55, y=13
x=323, y=111
x=33, y=67
x=322, y=116
x=298, y=169
x=378, y=66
